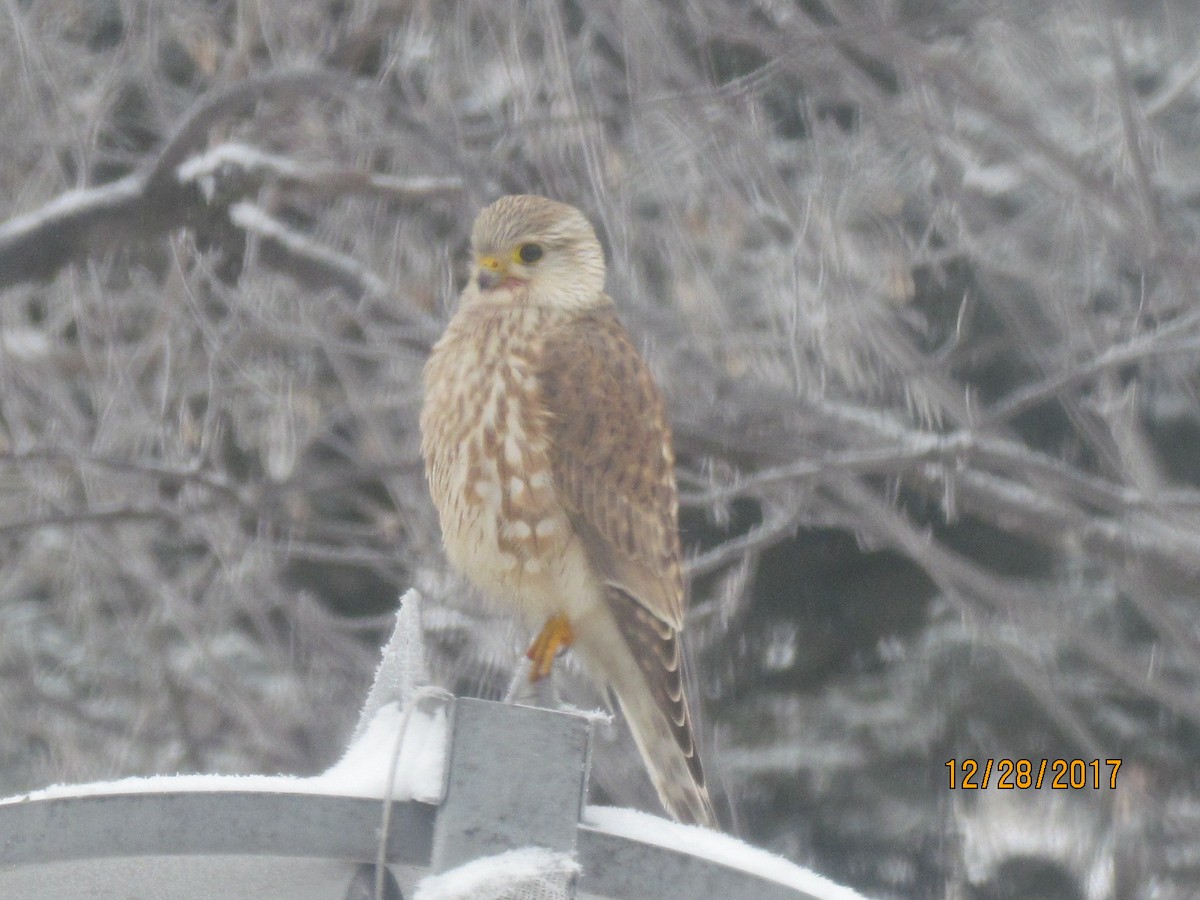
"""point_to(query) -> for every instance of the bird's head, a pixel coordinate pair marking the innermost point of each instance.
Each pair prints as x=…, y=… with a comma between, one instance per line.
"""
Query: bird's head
x=528, y=249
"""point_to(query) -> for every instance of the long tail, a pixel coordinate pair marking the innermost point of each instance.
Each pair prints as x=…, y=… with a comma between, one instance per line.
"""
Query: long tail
x=640, y=658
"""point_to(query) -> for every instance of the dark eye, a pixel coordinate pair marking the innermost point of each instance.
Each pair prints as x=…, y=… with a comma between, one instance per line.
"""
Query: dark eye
x=530, y=253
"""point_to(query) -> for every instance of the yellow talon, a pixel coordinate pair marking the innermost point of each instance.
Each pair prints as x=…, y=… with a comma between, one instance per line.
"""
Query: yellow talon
x=556, y=635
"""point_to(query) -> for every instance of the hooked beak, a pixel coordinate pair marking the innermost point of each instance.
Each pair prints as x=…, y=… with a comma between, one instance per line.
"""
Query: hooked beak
x=491, y=272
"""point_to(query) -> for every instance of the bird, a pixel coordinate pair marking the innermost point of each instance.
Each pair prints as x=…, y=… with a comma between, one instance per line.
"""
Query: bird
x=549, y=458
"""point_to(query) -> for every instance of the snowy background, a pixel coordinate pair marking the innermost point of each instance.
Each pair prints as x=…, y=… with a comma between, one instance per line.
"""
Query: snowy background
x=918, y=277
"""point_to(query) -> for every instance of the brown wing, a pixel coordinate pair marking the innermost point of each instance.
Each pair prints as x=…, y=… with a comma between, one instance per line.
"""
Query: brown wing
x=655, y=648
x=613, y=463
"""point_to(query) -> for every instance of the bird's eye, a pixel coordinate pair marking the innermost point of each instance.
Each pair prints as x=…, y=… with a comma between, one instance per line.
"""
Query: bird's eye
x=529, y=253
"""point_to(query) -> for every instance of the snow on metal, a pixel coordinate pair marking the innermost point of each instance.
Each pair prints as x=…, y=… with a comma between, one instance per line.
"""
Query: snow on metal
x=508, y=778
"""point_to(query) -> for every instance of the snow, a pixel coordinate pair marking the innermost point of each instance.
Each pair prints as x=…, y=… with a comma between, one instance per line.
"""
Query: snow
x=237, y=156
x=530, y=871
x=206, y=168
x=74, y=203
x=423, y=732
x=250, y=217
x=400, y=752
x=397, y=714
x=712, y=845
x=402, y=664
x=362, y=772
x=25, y=344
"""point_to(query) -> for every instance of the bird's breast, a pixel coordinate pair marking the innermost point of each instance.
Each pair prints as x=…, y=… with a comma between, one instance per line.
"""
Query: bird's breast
x=488, y=455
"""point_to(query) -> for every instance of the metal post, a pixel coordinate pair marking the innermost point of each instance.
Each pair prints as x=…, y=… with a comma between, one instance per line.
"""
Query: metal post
x=517, y=778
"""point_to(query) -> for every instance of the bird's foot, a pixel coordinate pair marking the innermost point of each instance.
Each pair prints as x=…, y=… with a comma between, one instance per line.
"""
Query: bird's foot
x=556, y=636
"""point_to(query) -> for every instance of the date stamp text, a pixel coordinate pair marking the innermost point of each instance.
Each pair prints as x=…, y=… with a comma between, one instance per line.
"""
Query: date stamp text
x=1023, y=774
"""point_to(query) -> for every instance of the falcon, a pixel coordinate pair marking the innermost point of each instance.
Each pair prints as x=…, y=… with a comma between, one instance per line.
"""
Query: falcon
x=549, y=459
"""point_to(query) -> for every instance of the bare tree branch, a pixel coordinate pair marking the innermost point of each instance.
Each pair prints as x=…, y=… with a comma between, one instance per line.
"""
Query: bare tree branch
x=148, y=203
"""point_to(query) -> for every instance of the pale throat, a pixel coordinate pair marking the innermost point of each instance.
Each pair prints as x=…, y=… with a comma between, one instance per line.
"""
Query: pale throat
x=542, y=291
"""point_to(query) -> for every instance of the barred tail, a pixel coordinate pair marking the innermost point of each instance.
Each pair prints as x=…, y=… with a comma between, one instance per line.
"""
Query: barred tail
x=640, y=657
